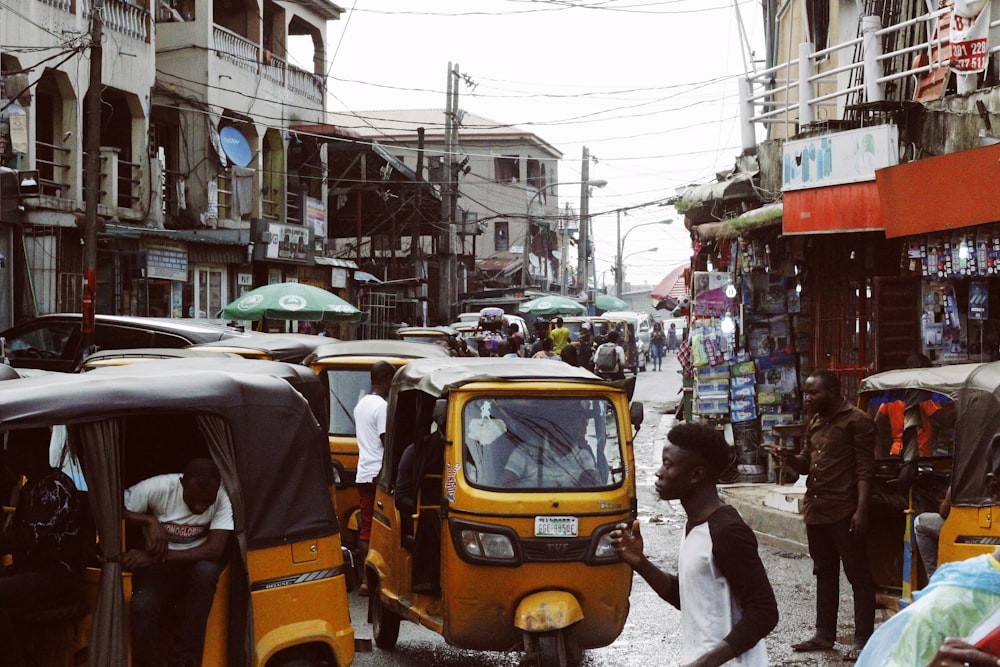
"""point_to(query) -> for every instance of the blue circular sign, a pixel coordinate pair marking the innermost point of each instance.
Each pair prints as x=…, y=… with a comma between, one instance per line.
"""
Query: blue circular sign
x=235, y=146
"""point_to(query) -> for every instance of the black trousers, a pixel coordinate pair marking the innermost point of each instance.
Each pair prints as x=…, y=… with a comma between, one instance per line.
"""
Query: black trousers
x=831, y=544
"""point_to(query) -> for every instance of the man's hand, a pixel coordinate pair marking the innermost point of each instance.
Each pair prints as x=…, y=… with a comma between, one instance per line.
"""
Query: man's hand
x=156, y=538
x=135, y=559
x=628, y=543
x=779, y=453
x=859, y=521
x=957, y=653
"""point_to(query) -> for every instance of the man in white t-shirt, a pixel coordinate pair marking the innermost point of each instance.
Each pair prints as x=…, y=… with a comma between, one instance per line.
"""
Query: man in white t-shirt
x=369, y=424
x=187, y=520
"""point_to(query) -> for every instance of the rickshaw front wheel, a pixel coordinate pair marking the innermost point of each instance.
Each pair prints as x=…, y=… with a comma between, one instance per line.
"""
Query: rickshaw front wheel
x=551, y=650
x=385, y=622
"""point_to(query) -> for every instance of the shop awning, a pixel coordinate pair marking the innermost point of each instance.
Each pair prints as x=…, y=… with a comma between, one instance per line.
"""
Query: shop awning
x=334, y=261
x=769, y=215
x=940, y=193
x=673, y=285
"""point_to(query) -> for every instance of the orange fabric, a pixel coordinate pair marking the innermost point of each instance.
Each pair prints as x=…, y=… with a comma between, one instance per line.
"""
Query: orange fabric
x=925, y=432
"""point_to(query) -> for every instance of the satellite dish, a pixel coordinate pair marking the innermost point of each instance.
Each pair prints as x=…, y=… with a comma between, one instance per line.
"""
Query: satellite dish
x=235, y=146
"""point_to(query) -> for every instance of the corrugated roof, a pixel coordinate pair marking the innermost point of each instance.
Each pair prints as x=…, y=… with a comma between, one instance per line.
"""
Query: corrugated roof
x=400, y=125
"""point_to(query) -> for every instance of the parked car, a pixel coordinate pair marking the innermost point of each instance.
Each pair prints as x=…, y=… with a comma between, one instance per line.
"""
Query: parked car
x=54, y=343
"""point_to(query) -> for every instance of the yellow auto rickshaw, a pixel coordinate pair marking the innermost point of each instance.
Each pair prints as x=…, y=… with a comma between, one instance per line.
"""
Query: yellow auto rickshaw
x=345, y=370
x=500, y=485
x=282, y=598
x=918, y=427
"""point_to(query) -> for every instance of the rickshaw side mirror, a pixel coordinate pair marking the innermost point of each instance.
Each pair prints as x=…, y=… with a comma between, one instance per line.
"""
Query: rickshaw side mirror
x=440, y=414
x=636, y=413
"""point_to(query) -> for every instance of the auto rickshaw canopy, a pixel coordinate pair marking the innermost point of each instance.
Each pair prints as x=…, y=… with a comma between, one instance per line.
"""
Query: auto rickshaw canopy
x=977, y=424
x=403, y=349
x=438, y=376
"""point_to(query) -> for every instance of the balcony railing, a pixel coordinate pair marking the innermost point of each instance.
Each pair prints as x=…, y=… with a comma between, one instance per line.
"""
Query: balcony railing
x=120, y=16
x=274, y=68
x=65, y=5
x=305, y=84
x=50, y=160
x=883, y=64
x=236, y=49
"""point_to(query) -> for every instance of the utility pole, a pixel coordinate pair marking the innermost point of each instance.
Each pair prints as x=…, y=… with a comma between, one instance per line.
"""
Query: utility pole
x=618, y=256
x=92, y=118
x=583, y=248
x=445, y=251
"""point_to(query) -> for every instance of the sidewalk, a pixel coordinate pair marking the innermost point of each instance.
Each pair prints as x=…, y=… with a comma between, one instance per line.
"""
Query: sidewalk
x=771, y=511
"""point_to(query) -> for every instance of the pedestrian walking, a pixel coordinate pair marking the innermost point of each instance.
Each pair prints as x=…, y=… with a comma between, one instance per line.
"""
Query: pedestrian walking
x=369, y=418
x=672, y=342
x=721, y=587
x=658, y=341
x=838, y=455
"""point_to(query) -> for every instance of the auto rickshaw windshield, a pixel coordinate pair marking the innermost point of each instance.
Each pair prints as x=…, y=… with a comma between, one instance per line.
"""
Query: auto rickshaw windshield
x=517, y=443
x=347, y=387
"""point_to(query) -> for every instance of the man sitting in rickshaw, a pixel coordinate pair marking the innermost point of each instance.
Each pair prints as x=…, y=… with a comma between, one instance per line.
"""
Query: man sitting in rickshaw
x=187, y=520
x=554, y=455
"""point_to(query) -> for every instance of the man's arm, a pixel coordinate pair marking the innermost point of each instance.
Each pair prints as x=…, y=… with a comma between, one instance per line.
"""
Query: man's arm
x=864, y=468
x=213, y=549
x=628, y=543
x=156, y=538
x=734, y=549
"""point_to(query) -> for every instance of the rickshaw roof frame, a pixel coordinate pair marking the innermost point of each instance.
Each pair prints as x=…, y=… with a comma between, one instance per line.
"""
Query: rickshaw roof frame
x=946, y=380
x=290, y=347
x=440, y=376
x=376, y=348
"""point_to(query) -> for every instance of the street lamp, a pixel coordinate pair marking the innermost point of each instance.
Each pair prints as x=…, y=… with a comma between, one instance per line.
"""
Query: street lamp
x=621, y=244
x=618, y=280
x=525, y=259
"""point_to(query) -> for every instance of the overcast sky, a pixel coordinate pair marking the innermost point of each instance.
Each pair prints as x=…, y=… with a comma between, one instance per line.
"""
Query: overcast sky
x=650, y=87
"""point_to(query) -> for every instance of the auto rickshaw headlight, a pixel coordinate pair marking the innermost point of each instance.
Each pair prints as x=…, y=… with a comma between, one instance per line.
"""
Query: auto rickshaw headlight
x=487, y=545
x=603, y=551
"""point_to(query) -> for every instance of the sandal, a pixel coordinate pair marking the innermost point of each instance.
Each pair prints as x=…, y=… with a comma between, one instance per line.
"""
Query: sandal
x=813, y=644
x=851, y=654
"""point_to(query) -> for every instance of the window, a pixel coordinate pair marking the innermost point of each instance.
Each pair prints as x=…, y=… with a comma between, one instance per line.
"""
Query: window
x=818, y=13
x=530, y=443
x=501, y=235
x=507, y=169
x=347, y=387
x=209, y=291
x=536, y=177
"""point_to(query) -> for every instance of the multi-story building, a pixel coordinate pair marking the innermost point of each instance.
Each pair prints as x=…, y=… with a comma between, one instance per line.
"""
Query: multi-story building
x=218, y=171
x=503, y=176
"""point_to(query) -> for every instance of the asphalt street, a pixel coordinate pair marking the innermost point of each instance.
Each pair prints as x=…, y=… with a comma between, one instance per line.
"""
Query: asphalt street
x=651, y=635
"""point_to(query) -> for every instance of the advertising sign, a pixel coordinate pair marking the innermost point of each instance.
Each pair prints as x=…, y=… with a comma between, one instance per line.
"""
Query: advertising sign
x=166, y=261
x=844, y=157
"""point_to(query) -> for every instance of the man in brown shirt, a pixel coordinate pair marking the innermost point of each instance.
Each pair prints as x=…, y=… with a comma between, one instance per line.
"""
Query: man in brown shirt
x=838, y=456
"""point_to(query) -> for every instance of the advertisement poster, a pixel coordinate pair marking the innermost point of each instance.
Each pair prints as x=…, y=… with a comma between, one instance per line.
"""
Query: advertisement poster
x=941, y=324
x=714, y=294
x=970, y=25
x=979, y=300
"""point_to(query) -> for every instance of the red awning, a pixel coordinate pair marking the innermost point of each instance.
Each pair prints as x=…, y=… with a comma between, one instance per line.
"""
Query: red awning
x=940, y=193
x=673, y=285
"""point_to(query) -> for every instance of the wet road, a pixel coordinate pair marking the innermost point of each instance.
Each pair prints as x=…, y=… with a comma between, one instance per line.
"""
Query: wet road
x=651, y=635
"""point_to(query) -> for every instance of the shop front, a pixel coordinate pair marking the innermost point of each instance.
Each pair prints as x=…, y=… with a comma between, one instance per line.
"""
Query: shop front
x=951, y=242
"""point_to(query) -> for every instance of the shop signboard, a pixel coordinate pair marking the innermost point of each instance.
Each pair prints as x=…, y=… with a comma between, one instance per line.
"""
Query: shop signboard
x=166, y=260
x=275, y=241
x=851, y=156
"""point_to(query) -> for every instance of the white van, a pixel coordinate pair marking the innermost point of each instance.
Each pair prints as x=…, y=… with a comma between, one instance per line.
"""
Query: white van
x=643, y=324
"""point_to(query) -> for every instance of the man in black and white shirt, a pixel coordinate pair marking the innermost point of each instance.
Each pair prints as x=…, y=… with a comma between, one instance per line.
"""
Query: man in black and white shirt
x=726, y=601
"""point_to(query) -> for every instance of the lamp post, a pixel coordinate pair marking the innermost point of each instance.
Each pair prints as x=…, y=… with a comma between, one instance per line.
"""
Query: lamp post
x=525, y=255
x=621, y=244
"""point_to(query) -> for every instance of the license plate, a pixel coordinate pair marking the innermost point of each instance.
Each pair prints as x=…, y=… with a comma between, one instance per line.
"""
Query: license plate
x=556, y=526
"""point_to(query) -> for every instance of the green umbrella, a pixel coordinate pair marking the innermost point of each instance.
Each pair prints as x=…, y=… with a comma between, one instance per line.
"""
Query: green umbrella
x=610, y=302
x=291, y=301
x=552, y=305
